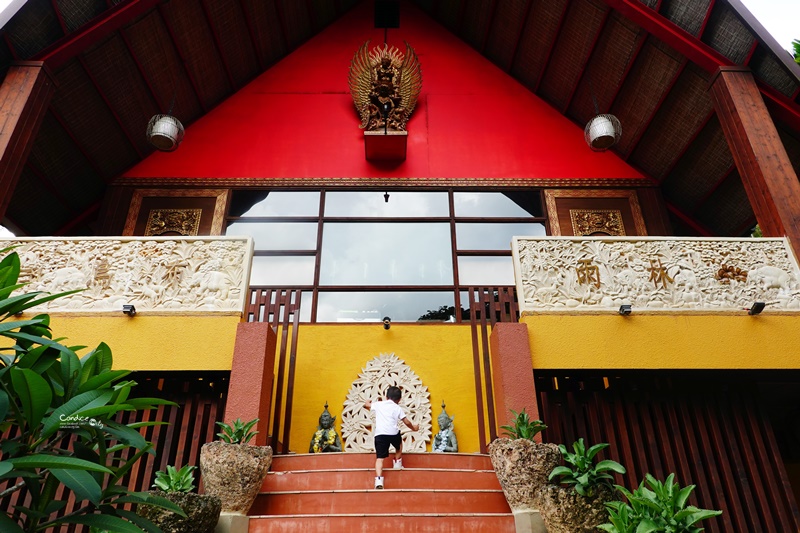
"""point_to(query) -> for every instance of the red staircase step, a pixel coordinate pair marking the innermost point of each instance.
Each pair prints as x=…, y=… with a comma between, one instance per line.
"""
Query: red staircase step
x=381, y=501
x=310, y=461
x=392, y=523
x=446, y=493
x=355, y=479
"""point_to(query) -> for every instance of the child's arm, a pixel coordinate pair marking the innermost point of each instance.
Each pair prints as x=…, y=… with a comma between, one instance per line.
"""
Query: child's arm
x=412, y=427
x=368, y=404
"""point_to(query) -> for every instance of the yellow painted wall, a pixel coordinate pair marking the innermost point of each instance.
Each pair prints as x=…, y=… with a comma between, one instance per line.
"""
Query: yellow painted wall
x=154, y=342
x=654, y=341
x=330, y=358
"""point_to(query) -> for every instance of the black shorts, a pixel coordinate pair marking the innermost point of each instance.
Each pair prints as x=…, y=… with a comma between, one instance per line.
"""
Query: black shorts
x=382, y=443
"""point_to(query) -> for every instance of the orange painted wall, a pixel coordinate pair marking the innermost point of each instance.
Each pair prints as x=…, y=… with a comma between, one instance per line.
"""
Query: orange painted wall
x=297, y=120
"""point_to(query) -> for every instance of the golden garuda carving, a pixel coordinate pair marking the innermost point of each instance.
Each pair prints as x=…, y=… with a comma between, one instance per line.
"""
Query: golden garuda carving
x=385, y=85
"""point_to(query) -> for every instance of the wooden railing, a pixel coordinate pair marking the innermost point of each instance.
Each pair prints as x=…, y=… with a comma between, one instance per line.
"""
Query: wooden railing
x=710, y=429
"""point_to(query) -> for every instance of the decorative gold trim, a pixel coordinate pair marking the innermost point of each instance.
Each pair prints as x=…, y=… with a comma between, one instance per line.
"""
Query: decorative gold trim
x=589, y=221
x=217, y=221
x=336, y=182
x=181, y=221
x=550, y=196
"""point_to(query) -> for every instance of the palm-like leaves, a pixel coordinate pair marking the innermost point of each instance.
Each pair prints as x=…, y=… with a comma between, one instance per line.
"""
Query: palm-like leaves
x=582, y=471
x=522, y=427
x=44, y=387
x=656, y=507
x=238, y=432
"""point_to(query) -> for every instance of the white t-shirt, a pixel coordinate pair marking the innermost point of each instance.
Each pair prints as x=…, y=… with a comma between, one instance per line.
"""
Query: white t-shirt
x=387, y=416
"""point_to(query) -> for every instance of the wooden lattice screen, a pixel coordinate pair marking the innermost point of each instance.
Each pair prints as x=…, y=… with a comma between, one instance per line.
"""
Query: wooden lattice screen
x=280, y=308
x=201, y=402
x=487, y=306
x=710, y=429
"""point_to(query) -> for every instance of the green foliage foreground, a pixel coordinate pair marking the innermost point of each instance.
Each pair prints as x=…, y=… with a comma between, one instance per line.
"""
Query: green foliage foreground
x=656, y=507
x=581, y=470
x=59, y=410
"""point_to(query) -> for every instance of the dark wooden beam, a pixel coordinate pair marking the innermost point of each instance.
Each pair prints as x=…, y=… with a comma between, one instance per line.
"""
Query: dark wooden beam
x=110, y=21
x=24, y=98
x=766, y=171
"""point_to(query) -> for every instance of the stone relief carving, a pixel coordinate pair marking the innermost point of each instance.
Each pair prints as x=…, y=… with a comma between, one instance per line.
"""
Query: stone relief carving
x=180, y=221
x=589, y=221
x=164, y=274
x=655, y=273
x=382, y=372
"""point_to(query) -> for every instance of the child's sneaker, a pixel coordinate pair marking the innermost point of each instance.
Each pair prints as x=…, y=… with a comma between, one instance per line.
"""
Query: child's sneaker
x=398, y=464
x=379, y=482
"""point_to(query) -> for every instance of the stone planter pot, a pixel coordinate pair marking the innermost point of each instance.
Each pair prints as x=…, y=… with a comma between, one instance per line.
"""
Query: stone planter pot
x=202, y=512
x=522, y=467
x=234, y=473
x=566, y=511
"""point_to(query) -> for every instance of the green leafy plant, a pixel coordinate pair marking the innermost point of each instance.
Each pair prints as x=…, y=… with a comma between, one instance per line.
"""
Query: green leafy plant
x=582, y=471
x=238, y=432
x=522, y=427
x=174, y=480
x=59, y=410
x=657, y=507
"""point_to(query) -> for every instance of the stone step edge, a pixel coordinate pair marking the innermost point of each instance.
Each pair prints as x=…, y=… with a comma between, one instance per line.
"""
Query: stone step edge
x=454, y=491
x=380, y=515
x=387, y=469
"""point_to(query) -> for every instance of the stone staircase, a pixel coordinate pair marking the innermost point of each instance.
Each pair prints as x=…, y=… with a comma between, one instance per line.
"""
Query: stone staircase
x=333, y=492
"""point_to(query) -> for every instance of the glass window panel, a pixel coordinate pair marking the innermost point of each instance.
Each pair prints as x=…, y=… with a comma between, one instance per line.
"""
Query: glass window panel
x=283, y=270
x=281, y=203
x=494, y=236
x=373, y=306
x=373, y=204
x=483, y=271
x=496, y=204
x=386, y=253
x=277, y=235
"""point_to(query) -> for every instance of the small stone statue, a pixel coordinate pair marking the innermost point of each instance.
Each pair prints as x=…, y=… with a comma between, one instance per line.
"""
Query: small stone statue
x=445, y=440
x=325, y=439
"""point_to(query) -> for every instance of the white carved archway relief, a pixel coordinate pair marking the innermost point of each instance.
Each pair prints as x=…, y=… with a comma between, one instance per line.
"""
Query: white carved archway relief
x=382, y=372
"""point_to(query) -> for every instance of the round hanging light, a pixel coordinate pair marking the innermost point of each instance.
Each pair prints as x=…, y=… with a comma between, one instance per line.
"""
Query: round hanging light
x=165, y=132
x=602, y=132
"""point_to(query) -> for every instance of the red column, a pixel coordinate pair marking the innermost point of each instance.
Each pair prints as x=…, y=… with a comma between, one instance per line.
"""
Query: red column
x=24, y=98
x=252, y=373
x=512, y=373
x=761, y=159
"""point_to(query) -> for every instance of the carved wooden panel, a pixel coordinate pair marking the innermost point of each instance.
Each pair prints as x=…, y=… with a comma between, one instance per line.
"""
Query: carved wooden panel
x=185, y=212
x=592, y=208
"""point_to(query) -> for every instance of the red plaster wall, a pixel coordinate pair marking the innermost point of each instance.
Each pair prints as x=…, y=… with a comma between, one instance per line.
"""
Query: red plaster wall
x=250, y=388
x=512, y=373
x=297, y=120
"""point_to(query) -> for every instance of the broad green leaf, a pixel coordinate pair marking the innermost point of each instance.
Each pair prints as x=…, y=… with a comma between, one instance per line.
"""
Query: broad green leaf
x=81, y=483
x=8, y=326
x=596, y=448
x=102, y=380
x=646, y=526
x=33, y=303
x=140, y=521
x=5, y=292
x=9, y=526
x=5, y=467
x=72, y=407
x=4, y=404
x=9, y=269
x=702, y=514
x=34, y=394
x=148, y=403
x=610, y=465
x=560, y=471
x=9, y=306
x=103, y=521
x=126, y=435
x=683, y=495
x=57, y=461
x=151, y=499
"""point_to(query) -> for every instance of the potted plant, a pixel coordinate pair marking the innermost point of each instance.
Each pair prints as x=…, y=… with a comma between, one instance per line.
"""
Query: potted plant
x=580, y=505
x=202, y=510
x=232, y=469
x=522, y=466
x=661, y=507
